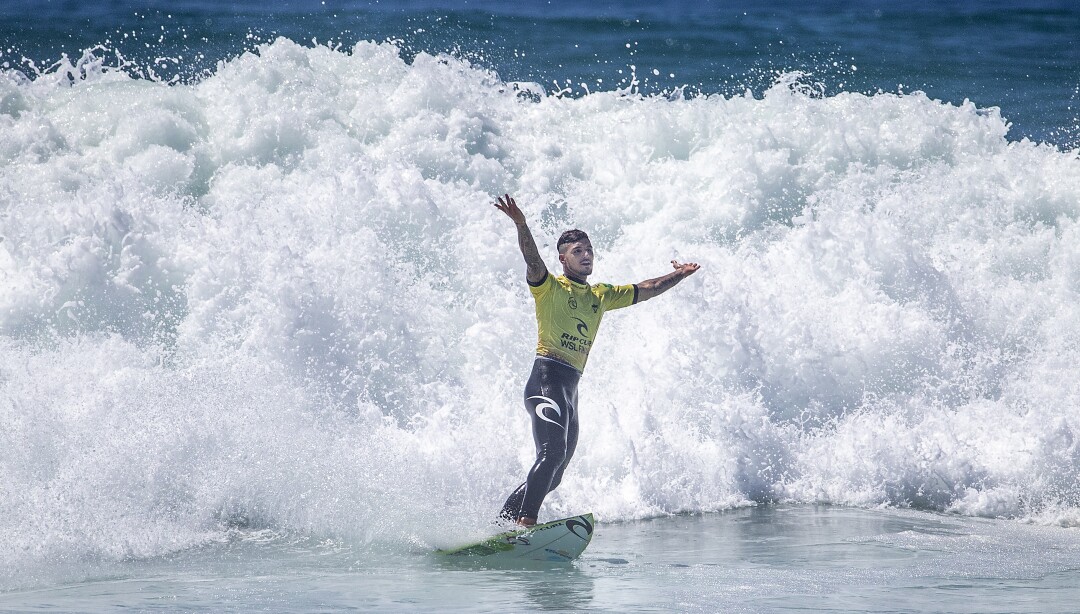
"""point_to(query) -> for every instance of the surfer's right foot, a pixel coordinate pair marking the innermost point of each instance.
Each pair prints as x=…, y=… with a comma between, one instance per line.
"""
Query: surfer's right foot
x=526, y=522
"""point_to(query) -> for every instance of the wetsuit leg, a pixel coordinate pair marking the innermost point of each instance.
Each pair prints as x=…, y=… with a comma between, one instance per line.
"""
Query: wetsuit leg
x=551, y=400
x=571, y=439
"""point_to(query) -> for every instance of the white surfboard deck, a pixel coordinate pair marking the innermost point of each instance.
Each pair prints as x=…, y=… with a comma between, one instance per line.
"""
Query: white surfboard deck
x=560, y=540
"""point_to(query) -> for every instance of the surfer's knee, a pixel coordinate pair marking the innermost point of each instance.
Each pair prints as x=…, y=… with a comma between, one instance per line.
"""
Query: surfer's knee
x=556, y=478
x=554, y=457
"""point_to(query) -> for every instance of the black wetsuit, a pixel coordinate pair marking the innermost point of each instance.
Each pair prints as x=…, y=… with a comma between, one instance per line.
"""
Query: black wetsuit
x=568, y=314
x=551, y=400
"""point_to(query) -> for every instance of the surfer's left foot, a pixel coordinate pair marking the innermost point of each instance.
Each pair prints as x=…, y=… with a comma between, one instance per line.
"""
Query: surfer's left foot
x=526, y=522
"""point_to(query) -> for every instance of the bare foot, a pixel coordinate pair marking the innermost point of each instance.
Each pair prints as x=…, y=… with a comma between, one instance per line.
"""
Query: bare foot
x=526, y=521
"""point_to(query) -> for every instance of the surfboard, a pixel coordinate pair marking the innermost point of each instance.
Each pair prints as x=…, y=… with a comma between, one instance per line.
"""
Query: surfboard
x=560, y=540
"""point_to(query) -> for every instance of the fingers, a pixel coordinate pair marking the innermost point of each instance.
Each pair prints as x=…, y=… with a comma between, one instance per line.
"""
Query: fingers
x=502, y=205
x=506, y=204
x=687, y=268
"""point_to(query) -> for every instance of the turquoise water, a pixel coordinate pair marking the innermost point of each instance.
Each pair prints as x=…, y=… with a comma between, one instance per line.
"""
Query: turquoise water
x=767, y=559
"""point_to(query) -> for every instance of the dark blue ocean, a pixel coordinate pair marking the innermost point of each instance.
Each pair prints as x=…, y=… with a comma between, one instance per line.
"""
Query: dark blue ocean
x=1022, y=56
x=263, y=336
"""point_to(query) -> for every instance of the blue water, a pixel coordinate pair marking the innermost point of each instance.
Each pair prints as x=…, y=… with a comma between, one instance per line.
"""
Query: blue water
x=263, y=337
x=1019, y=56
x=774, y=559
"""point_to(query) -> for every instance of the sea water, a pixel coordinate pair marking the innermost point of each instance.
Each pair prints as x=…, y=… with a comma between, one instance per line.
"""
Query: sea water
x=263, y=336
x=756, y=559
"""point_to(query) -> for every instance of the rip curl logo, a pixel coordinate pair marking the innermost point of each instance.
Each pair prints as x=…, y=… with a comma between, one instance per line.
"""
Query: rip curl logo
x=572, y=302
x=547, y=404
x=574, y=524
x=573, y=343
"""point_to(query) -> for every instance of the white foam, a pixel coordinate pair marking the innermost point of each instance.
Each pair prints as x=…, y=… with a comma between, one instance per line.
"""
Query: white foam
x=280, y=298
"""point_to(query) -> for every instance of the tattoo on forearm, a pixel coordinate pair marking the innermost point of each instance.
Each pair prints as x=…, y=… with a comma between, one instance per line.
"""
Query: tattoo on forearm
x=667, y=281
x=654, y=287
x=529, y=250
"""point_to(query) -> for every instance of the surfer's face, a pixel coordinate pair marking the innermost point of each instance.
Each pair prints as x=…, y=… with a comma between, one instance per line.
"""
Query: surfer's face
x=577, y=258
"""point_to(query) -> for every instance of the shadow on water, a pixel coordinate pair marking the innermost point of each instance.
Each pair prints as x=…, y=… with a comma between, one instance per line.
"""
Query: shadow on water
x=543, y=585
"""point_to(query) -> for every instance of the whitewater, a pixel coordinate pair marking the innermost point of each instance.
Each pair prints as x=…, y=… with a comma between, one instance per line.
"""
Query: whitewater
x=278, y=301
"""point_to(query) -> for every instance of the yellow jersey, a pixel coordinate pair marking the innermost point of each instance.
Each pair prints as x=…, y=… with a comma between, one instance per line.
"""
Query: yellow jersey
x=568, y=315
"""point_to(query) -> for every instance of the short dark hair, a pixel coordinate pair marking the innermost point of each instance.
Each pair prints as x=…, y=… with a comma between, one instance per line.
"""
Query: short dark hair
x=571, y=236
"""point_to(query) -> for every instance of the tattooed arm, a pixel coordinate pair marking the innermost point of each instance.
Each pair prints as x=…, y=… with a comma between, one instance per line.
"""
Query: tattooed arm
x=536, y=268
x=655, y=287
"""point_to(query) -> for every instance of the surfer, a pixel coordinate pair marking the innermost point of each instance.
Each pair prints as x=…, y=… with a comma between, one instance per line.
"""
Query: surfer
x=568, y=313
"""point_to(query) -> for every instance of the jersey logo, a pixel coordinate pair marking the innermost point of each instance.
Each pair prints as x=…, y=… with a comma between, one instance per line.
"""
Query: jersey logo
x=572, y=302
x=582, y=328
x=595, y=308
x=547, y=404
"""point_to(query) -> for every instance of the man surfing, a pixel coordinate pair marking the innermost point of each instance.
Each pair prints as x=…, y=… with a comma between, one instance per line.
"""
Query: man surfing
x=568, y=314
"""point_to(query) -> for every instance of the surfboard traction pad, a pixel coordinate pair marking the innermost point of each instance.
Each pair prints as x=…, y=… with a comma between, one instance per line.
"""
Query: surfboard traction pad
x=559, y=540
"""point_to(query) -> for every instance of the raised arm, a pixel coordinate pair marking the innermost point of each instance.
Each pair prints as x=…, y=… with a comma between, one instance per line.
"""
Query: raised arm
x=536, y=270
x=655, y=287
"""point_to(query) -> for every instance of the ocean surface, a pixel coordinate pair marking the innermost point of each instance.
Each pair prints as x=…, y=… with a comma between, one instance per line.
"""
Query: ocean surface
x=263, y=336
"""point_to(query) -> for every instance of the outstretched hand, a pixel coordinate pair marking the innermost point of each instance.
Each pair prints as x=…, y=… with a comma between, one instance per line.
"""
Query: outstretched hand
x=685, y=270
x=654, y=287
x=536, y=270
x=507, y=205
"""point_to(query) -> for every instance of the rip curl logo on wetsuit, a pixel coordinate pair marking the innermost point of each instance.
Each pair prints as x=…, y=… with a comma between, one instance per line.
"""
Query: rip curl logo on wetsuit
x=582, y=328
x=547, y=403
